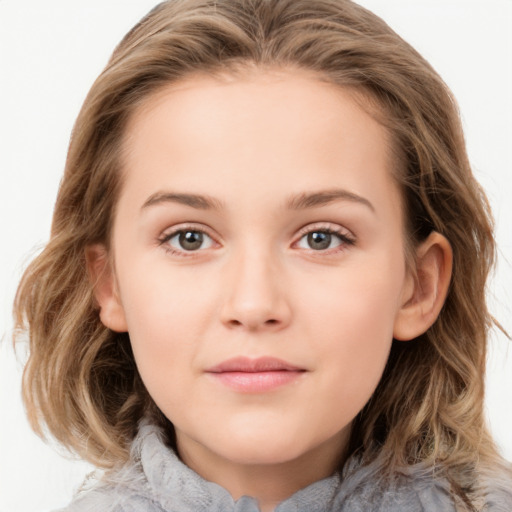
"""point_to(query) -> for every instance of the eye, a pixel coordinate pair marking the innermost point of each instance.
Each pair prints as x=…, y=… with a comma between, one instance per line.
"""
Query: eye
x=188, y=240
x=323, y=239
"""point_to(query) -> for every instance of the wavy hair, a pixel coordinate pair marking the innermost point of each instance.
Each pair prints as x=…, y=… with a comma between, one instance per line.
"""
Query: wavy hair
x=81, y=381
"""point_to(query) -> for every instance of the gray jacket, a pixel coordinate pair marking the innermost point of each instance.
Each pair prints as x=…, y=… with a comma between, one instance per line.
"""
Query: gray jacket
x=157, y=481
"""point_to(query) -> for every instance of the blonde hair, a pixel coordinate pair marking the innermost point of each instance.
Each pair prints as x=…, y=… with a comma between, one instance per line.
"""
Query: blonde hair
x=81, y=380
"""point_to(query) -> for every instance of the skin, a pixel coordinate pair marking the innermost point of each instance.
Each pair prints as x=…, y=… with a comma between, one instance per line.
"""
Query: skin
x=255, y=146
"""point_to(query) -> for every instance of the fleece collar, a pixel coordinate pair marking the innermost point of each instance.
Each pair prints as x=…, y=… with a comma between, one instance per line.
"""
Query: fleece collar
x=155, y=480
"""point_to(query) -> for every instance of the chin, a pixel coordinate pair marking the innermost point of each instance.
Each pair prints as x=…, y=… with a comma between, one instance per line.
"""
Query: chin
x=264, y=448
x=270, y=455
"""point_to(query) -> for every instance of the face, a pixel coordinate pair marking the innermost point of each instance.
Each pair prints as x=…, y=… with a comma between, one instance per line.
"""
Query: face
x=258, y=263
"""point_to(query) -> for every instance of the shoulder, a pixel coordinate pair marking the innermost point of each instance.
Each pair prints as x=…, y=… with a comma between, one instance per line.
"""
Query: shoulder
x=109, y=498
x=105, y=500
x=497, y=488
x=123, y=490
x=370, y=489
x=419, y=489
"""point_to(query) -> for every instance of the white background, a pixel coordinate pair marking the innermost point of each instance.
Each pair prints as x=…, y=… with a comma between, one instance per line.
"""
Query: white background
x=50, y=53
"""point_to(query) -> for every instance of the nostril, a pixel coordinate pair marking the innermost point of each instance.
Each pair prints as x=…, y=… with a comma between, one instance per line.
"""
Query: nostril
x=238, y=323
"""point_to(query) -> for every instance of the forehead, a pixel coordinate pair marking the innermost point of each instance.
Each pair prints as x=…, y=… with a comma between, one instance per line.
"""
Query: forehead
x=286, y=128
x=287, y=98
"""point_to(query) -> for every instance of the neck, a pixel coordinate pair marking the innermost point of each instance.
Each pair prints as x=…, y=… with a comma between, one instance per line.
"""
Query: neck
x=271, y=483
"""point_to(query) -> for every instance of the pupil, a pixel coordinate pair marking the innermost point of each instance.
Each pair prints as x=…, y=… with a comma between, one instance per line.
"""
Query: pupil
x=191, y=240
x=319, y=240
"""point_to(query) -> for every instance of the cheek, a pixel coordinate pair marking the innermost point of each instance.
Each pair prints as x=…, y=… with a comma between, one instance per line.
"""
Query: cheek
x=359, y=303
x=162, y=319
x=160, y=298
x=354, y=316
x=168, y=314
x=163, y=343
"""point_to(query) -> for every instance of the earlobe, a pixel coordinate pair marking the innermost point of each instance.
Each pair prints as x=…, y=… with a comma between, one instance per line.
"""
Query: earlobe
x=425, y=298
x=102, y=278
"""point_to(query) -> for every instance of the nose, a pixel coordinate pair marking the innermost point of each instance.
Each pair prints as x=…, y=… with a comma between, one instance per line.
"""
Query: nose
x=256, y=299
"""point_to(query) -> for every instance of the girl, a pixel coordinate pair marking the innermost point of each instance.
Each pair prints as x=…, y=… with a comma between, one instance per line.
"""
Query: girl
x=265, y=284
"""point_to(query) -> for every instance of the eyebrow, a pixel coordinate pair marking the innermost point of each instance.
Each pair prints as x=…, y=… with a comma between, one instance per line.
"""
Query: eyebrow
x=199, y=202
x=324, y=197
x=298, y=202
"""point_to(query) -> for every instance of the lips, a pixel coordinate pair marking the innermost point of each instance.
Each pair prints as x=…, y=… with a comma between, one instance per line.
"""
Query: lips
x=260, y=375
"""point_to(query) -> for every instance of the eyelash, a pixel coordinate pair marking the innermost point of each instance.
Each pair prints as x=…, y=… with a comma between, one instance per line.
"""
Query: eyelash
x=344, y=237
x=167, y=237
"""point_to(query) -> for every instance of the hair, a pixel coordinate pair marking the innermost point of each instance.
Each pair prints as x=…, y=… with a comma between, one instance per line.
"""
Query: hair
x=81, y=381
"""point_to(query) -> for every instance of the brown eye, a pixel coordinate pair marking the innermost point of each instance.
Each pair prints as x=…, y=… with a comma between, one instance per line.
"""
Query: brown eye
x=189, y=240
x=319, y=240
x=323, y=239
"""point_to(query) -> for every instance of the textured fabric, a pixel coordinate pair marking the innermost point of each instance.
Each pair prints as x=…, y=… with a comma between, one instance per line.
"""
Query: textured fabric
x=157, y=481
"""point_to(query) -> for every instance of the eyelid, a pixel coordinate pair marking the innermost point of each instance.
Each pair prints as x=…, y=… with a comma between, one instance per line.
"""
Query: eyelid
x=346, y=236
x=326, y=226
x=172, y=231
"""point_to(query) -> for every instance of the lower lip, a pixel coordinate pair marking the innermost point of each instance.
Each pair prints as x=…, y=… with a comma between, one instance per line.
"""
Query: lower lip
x=257, y=382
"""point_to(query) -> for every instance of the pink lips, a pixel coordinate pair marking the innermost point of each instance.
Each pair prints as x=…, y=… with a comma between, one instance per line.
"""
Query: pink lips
x=255, y=375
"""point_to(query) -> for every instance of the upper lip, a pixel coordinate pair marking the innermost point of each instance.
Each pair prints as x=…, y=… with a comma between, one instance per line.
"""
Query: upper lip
x=248, y=365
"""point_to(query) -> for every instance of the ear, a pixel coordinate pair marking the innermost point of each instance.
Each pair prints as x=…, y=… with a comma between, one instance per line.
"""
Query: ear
x=425, y=294
x=104, y=284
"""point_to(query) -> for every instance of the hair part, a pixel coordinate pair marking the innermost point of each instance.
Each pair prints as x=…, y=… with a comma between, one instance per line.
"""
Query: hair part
x=428, y=407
